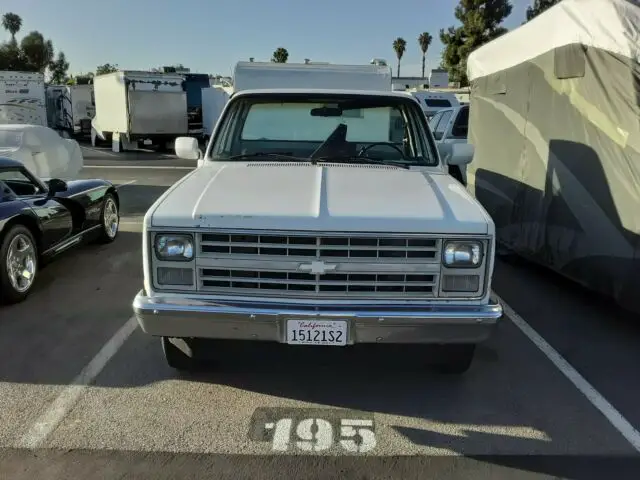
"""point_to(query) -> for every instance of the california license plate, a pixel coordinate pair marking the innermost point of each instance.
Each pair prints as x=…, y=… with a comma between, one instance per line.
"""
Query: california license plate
x=317, y=332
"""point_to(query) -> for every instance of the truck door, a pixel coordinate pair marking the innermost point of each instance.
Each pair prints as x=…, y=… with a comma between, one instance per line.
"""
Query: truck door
x=157, y=113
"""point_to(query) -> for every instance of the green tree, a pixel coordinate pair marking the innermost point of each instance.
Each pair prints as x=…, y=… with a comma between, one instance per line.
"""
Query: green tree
x=281, y=55
x=11, y=57
x=12, y=23
x=424, y=40
x=58, y=69
x=38, y=52
x=399, y=46
x=481, y=22
x=538, y=7
x=106, y=68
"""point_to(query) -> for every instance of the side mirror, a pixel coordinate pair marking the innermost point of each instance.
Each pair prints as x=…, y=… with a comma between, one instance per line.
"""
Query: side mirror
x=187, y=148
x=56, y=185
x=456, y=153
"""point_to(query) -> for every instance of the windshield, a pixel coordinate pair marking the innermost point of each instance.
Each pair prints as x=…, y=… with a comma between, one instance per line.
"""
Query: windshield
x=366, y=128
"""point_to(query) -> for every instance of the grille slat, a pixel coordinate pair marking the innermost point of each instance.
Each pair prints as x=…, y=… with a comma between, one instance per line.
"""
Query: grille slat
x=335, y=283
x=320, y=247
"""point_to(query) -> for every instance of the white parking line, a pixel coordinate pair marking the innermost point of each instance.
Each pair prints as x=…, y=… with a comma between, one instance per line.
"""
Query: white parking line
x=61, y=406
x=141, y=167
x=614, y=417
x=124, y=184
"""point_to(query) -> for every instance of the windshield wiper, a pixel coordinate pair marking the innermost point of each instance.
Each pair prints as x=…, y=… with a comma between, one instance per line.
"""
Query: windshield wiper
x=361, y=159
x=275, y=156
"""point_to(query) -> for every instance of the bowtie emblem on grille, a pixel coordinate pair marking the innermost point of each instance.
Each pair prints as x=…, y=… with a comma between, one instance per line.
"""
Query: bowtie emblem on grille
x=316, y=268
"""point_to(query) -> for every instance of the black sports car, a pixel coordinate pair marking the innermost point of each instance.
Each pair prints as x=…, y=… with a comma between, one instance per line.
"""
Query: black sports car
x=39, y=220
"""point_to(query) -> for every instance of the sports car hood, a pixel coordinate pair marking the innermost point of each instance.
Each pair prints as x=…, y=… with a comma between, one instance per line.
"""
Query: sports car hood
x=285, y=196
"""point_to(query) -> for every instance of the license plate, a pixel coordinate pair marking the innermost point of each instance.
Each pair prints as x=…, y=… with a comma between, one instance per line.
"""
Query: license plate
x=147, y=142
x=317, y=332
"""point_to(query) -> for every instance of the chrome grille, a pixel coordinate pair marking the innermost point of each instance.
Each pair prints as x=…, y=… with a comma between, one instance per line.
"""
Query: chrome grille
x=357, y=266
x=332, y=248
x=353, y=284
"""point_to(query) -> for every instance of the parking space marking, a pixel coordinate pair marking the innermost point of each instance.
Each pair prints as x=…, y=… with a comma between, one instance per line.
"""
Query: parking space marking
x=614, y=417
x=140, y=167
x=124, y=184
x=62, y=405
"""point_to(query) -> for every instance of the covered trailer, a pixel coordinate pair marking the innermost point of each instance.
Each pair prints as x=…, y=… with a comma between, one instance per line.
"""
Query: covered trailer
x=253, y=75
x=554, y=118
x=134, y=107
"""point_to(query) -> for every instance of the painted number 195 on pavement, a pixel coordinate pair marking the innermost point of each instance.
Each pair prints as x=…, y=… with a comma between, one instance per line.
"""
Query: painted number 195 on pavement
x=318, y=434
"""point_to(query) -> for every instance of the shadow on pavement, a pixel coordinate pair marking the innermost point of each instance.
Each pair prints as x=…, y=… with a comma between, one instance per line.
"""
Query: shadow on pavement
x=135, y=199
x=79, y=301
x=65, y=464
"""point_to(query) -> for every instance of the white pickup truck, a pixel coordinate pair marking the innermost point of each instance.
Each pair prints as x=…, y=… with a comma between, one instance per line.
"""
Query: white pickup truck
x=451, y=125
x=319, y=217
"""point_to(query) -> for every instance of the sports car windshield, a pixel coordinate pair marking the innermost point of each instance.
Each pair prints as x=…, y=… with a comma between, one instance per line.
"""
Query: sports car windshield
x=355, y=129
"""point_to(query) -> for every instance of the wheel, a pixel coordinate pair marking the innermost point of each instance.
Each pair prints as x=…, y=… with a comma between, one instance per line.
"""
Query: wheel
x=455, y=359
x=176, y=357
x=19, y=255
x=109, y=219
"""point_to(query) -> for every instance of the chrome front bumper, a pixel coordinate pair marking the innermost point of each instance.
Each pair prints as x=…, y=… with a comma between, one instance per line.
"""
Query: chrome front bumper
x=246, y=320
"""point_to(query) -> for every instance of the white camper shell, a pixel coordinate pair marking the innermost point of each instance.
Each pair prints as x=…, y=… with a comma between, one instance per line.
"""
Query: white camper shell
x=261, y=75
x=270, y=75
x=554, y=120
x=70, y=108
x=135, y=107
x=22, y=99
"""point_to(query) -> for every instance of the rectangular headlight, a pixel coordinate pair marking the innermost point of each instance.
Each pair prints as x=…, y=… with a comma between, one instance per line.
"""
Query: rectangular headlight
x=174, y=247
x=462, y=254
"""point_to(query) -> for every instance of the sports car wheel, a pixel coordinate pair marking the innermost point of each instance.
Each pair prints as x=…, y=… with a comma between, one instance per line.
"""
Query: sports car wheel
x=110, y=219
x=19, y=254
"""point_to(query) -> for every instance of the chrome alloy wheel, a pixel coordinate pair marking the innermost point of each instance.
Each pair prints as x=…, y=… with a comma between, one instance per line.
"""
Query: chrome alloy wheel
x=110, y=218
x=21, y=263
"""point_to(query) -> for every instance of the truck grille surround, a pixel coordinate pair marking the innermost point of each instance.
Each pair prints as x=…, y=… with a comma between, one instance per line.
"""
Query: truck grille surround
x=312, y=266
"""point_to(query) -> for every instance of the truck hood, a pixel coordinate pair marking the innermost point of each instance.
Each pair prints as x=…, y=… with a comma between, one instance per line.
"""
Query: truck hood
x=340, y=198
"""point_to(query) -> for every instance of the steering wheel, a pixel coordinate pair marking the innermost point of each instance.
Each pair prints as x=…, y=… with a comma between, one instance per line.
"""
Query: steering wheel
x=364, y=150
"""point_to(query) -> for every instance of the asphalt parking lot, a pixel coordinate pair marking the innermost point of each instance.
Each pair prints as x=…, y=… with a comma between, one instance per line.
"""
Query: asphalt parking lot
x=85, y=394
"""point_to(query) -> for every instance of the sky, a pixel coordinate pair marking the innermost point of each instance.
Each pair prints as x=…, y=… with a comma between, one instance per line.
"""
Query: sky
x=210, y=36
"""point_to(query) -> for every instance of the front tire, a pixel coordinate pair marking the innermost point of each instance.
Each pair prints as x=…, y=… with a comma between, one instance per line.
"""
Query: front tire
x=109, y=219
x=19, y=256
x=455, y=359
x=181, y=358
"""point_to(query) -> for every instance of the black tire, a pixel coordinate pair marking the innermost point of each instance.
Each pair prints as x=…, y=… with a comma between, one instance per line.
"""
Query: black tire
x=455, y=359
x=8, y=292
x=108, y=204
x=176, y=357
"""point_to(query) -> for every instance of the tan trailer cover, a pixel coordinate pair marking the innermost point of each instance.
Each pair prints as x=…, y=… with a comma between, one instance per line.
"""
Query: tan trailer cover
x=555, y=122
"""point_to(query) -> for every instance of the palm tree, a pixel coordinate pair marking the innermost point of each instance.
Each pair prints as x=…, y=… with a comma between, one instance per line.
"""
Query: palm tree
x=12, y=24
x=424, y=40
x=399, y=46
x=281, y=55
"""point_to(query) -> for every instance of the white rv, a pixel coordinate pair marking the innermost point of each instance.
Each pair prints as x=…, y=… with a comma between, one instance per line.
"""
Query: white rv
x=22, y=98
x=134, y=107
x=70, y=108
